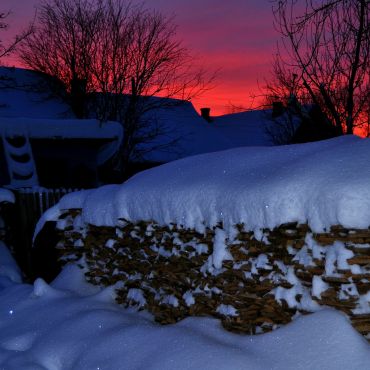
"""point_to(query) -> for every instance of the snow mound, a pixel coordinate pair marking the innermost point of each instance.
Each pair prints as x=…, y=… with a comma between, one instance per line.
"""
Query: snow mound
x=68, y=331
x=323, y=183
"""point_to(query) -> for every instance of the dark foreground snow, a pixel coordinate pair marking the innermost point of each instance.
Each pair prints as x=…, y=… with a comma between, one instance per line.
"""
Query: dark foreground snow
x=70, y=325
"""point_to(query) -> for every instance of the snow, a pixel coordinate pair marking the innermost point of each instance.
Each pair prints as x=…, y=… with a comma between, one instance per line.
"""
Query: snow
x=180, y=123
x=189, y=298
x=245, y=128
x=69, y=324
x=72, y=325
x=323, y=183
x=336, y=258
x=227, y=310
x=298, y=296
x=23, y=93
x=318, y=286
x=6, y=196
x=22, y=173
x=220, y=252
x=137, y=296
x=27, y=107
x=42, y=128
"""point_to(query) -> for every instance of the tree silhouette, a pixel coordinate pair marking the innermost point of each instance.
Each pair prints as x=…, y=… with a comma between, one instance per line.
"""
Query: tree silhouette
x=324, y=58
x=114, y=57
x=7, y=49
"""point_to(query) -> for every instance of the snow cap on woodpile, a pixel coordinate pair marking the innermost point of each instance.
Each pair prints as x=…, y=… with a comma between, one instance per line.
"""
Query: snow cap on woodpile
x=323, y=183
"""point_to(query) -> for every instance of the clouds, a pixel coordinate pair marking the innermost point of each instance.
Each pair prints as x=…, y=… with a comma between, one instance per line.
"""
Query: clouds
x=235, y=36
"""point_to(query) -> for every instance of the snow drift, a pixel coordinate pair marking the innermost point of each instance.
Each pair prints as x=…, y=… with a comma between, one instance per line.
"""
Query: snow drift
x=323, y=184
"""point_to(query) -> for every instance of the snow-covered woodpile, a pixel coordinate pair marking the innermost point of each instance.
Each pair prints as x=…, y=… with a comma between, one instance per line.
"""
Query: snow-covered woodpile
x=253, y=283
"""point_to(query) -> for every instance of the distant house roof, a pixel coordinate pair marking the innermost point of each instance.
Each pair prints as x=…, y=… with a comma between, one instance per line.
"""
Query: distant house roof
x=24, y=93
x=43, y=116
x=29, y=112
x=28, y=108
x=196, y=136
x=41, y=128
x=245, y=128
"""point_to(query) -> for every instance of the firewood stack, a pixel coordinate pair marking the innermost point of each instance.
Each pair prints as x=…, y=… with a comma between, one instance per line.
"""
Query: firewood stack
x=263, y=283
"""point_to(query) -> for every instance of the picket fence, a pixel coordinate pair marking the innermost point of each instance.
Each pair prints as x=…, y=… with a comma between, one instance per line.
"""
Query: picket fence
x=30, y=204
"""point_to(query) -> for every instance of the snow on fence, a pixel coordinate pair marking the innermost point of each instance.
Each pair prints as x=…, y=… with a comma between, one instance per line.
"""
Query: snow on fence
x=36, y=201
x=30, y=204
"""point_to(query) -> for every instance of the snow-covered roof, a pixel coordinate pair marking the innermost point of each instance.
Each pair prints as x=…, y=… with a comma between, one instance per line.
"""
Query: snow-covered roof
x=26, y=106
x=194, y=135
x=245, y=128
x=24, y=93
x=323, y=183
x=27, y=109
x=38, y=128
x=179, y=123
x=24, y=173
x=190, y=132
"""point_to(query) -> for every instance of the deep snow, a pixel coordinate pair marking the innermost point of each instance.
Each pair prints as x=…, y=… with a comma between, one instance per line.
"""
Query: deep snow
x=323, y=183
x=70, y=325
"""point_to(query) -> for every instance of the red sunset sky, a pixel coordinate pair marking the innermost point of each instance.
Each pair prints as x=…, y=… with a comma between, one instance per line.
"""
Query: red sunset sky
x=234, y=36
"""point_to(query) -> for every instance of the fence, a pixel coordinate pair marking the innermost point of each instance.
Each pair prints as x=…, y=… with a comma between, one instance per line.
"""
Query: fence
x=34, y=202
x=30, y=204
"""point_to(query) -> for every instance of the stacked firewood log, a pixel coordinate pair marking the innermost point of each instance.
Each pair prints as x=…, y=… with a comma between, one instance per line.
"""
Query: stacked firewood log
x=266, y=280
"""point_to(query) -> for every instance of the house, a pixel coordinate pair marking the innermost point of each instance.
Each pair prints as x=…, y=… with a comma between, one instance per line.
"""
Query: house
x=42, y=143
x=246, y=128
x=192, y=134
x=46, y=152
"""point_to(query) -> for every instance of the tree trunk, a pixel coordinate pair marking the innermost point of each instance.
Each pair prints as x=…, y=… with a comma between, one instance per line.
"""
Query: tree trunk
x=355, y=65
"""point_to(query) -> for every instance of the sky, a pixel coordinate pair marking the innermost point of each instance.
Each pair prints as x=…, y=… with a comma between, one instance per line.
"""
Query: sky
x=234, y=37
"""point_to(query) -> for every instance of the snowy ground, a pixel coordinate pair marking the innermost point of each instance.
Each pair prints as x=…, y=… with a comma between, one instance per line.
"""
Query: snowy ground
x=69, y=325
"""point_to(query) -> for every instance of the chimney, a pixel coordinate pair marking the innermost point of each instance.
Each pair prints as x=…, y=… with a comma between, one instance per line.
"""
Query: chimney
x=277, y=109
x=206, y=114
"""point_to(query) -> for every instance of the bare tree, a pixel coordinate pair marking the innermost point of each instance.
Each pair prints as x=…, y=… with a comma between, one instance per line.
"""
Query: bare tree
x=63, y=45
x=140, y=59
x=7, y=49
x=325, y=57
x=121, y=56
